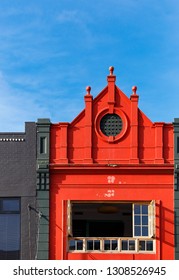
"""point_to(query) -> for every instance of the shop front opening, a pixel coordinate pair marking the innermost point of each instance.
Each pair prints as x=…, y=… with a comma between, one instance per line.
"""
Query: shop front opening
x=116, y=226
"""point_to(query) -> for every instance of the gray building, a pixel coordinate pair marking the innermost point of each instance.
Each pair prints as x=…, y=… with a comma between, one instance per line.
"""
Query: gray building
x=24, y=192
x=42, y=192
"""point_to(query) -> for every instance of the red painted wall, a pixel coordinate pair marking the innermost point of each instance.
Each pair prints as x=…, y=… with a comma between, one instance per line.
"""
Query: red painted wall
x=140, y=160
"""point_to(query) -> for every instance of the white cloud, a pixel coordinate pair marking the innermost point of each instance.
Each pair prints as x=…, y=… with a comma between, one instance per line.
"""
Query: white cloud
x=17, y=107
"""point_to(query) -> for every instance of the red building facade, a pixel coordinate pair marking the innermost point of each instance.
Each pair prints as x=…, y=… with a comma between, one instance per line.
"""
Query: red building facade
x=111, y=182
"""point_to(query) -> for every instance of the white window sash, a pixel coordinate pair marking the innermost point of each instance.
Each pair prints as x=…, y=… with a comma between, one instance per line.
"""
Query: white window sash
x=151, y=221
x=69, y=218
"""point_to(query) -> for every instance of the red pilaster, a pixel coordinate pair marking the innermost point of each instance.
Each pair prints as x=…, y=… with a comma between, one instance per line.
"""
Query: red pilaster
x=63, y=142
x=134, y=127
x=159, y=142
x=111, y=89
x=88, y=158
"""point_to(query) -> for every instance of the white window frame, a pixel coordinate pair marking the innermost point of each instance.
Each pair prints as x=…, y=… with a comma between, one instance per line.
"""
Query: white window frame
x=151, y=219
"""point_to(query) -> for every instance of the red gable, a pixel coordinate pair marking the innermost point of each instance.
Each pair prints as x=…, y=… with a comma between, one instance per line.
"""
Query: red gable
x=111, y=130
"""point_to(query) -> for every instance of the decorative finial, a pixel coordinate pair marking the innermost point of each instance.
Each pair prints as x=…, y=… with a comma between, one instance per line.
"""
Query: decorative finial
x=134, y=89
x=111, y=70
x=88, y=89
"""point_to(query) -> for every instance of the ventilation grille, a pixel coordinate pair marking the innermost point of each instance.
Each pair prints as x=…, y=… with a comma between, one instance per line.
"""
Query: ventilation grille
x=111, y=125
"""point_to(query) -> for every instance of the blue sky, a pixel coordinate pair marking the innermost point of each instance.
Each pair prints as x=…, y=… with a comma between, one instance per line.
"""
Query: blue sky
x=50, y=50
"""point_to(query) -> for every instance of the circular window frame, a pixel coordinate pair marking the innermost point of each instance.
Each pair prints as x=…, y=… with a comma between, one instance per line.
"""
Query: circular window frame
x=101, y=135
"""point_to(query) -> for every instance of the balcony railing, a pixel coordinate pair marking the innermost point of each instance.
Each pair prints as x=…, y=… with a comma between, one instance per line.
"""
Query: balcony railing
x=115, y=245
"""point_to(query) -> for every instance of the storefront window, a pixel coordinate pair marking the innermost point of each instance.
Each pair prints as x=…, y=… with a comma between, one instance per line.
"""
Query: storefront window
x=115, y=226
x=9, y=228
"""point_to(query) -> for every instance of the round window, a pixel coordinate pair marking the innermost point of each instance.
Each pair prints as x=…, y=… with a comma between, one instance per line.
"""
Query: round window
x=111, y=125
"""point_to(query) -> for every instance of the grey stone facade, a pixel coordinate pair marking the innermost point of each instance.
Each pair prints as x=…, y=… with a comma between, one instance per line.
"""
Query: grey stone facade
x=43, y=143
x=18, y=179
x=24, y=174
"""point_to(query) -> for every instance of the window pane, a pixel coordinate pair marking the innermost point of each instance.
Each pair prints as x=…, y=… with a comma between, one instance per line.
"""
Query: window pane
x=124, y=245
x=142, y=245
x=114, y=245
x=136, y=209
x=137, y=231
x=149, y=245
x=89, y=245
x=96, y=245
x=106, y=244
x=10, y=236
x=144, y=231
x=145, y=220
x=131, y=245
x=10, y=205
x=79, y=245
x=72, y=245
x=144, y=209
x=137, y=220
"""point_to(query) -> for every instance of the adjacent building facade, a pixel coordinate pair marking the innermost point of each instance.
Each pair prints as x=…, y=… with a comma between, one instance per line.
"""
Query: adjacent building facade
x=24, y=193
x=111, y=182
x=42, y=188
x=176, y=185
x=18, y=227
